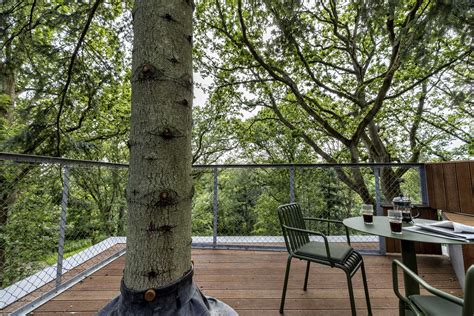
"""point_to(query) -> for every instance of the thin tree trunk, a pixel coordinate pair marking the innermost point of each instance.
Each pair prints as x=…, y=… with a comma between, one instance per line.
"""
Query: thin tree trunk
x=7, y=99
x=120, y=224
x=7, y=85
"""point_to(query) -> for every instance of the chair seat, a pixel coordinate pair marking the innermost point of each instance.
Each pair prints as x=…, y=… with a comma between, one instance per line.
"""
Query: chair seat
x=317, y=250
x=433, y=305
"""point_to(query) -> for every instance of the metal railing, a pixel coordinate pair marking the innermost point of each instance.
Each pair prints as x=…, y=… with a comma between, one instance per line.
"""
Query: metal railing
x=62, y=219
x=317, y=187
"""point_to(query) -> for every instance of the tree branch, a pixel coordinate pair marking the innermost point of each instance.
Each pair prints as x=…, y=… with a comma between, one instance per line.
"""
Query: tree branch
x=426, y=77
x=387, y=82
x=416, y=124
x=69, y=74
x=305, y=63
x=283, y=77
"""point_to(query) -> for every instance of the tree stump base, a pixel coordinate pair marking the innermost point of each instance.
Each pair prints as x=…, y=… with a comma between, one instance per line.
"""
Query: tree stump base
x=182, y=298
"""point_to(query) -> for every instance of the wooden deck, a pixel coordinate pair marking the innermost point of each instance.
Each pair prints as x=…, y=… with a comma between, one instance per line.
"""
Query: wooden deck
x=251, y=282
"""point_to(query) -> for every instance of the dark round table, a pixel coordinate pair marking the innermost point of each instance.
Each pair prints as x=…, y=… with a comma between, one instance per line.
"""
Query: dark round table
x=381, y=227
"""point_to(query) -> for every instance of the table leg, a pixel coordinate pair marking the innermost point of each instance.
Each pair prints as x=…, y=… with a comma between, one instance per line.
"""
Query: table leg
x=409, y=259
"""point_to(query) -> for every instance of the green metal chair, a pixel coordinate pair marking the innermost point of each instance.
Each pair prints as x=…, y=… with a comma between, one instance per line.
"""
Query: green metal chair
x=335, y=255
x=440, y=303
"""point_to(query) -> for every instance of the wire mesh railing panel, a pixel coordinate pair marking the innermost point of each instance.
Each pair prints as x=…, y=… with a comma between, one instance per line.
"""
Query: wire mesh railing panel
x=29, y=229
x=203, y=207
x=96, y=214
x=331, y=193
x=321, y=194
x=57, y=222
x=247, y=203
x=396, y=181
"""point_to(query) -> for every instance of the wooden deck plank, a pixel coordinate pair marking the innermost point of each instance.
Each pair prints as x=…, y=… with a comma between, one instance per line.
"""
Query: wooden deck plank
x=251, y=282
x=106, y=282
x=275, y=259
x=303, y=304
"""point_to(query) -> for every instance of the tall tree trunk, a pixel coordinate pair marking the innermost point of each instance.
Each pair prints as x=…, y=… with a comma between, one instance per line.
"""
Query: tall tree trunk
x=159, y=192
x=158, y=270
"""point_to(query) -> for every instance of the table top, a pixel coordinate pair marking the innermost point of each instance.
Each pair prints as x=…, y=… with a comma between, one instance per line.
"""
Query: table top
x=381, y=227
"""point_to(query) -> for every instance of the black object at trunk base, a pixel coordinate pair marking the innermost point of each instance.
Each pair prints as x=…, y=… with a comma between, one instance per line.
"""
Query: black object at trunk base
x=182, y=298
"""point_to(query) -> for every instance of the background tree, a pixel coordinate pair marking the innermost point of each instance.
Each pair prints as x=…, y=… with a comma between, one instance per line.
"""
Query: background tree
x=335, y=73
x=64, y=84
x=66, y=66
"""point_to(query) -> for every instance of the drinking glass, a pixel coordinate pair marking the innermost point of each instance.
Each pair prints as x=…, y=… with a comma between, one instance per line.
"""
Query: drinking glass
x=368, y=213
x=395, y=219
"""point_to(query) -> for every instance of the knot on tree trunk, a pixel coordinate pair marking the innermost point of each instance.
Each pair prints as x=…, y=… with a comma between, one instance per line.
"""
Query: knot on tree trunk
x=183, y=102
x=147, y=71
x=167, y=197
x=167, y=133
x=163, y=229
x=168, y=17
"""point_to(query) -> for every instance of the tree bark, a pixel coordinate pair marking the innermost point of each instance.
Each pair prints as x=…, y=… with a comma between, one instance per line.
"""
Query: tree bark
x=7, y=84
x=158, y=270
x=159, y=191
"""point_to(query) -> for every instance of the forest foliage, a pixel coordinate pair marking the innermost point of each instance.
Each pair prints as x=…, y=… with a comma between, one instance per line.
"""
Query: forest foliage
x=287, y=82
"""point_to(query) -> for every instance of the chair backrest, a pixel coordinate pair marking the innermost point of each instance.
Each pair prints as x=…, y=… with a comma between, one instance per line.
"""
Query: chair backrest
x=469, y=292
x=290, y=215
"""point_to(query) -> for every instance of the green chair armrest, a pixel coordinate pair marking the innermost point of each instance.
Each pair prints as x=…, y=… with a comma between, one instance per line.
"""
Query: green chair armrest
x=311, y=232
x=330, y=221
x=397, y=291
x=420, y=281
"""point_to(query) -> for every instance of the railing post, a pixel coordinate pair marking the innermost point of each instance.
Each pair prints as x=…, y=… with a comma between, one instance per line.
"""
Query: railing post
x=292, y=184
x=62, y=226
x=216, y=209
x=378, y=207
x=423, y=185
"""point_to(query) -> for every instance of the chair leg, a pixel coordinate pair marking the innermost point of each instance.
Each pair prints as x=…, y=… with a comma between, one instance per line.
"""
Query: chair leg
x=366, y=289
x=305, y=287
x=283, y=295
x=351, y=294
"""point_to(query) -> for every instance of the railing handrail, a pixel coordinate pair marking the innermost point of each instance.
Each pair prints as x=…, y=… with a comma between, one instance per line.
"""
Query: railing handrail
x=310, y=165
x=58, y=160
x=72, y=162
